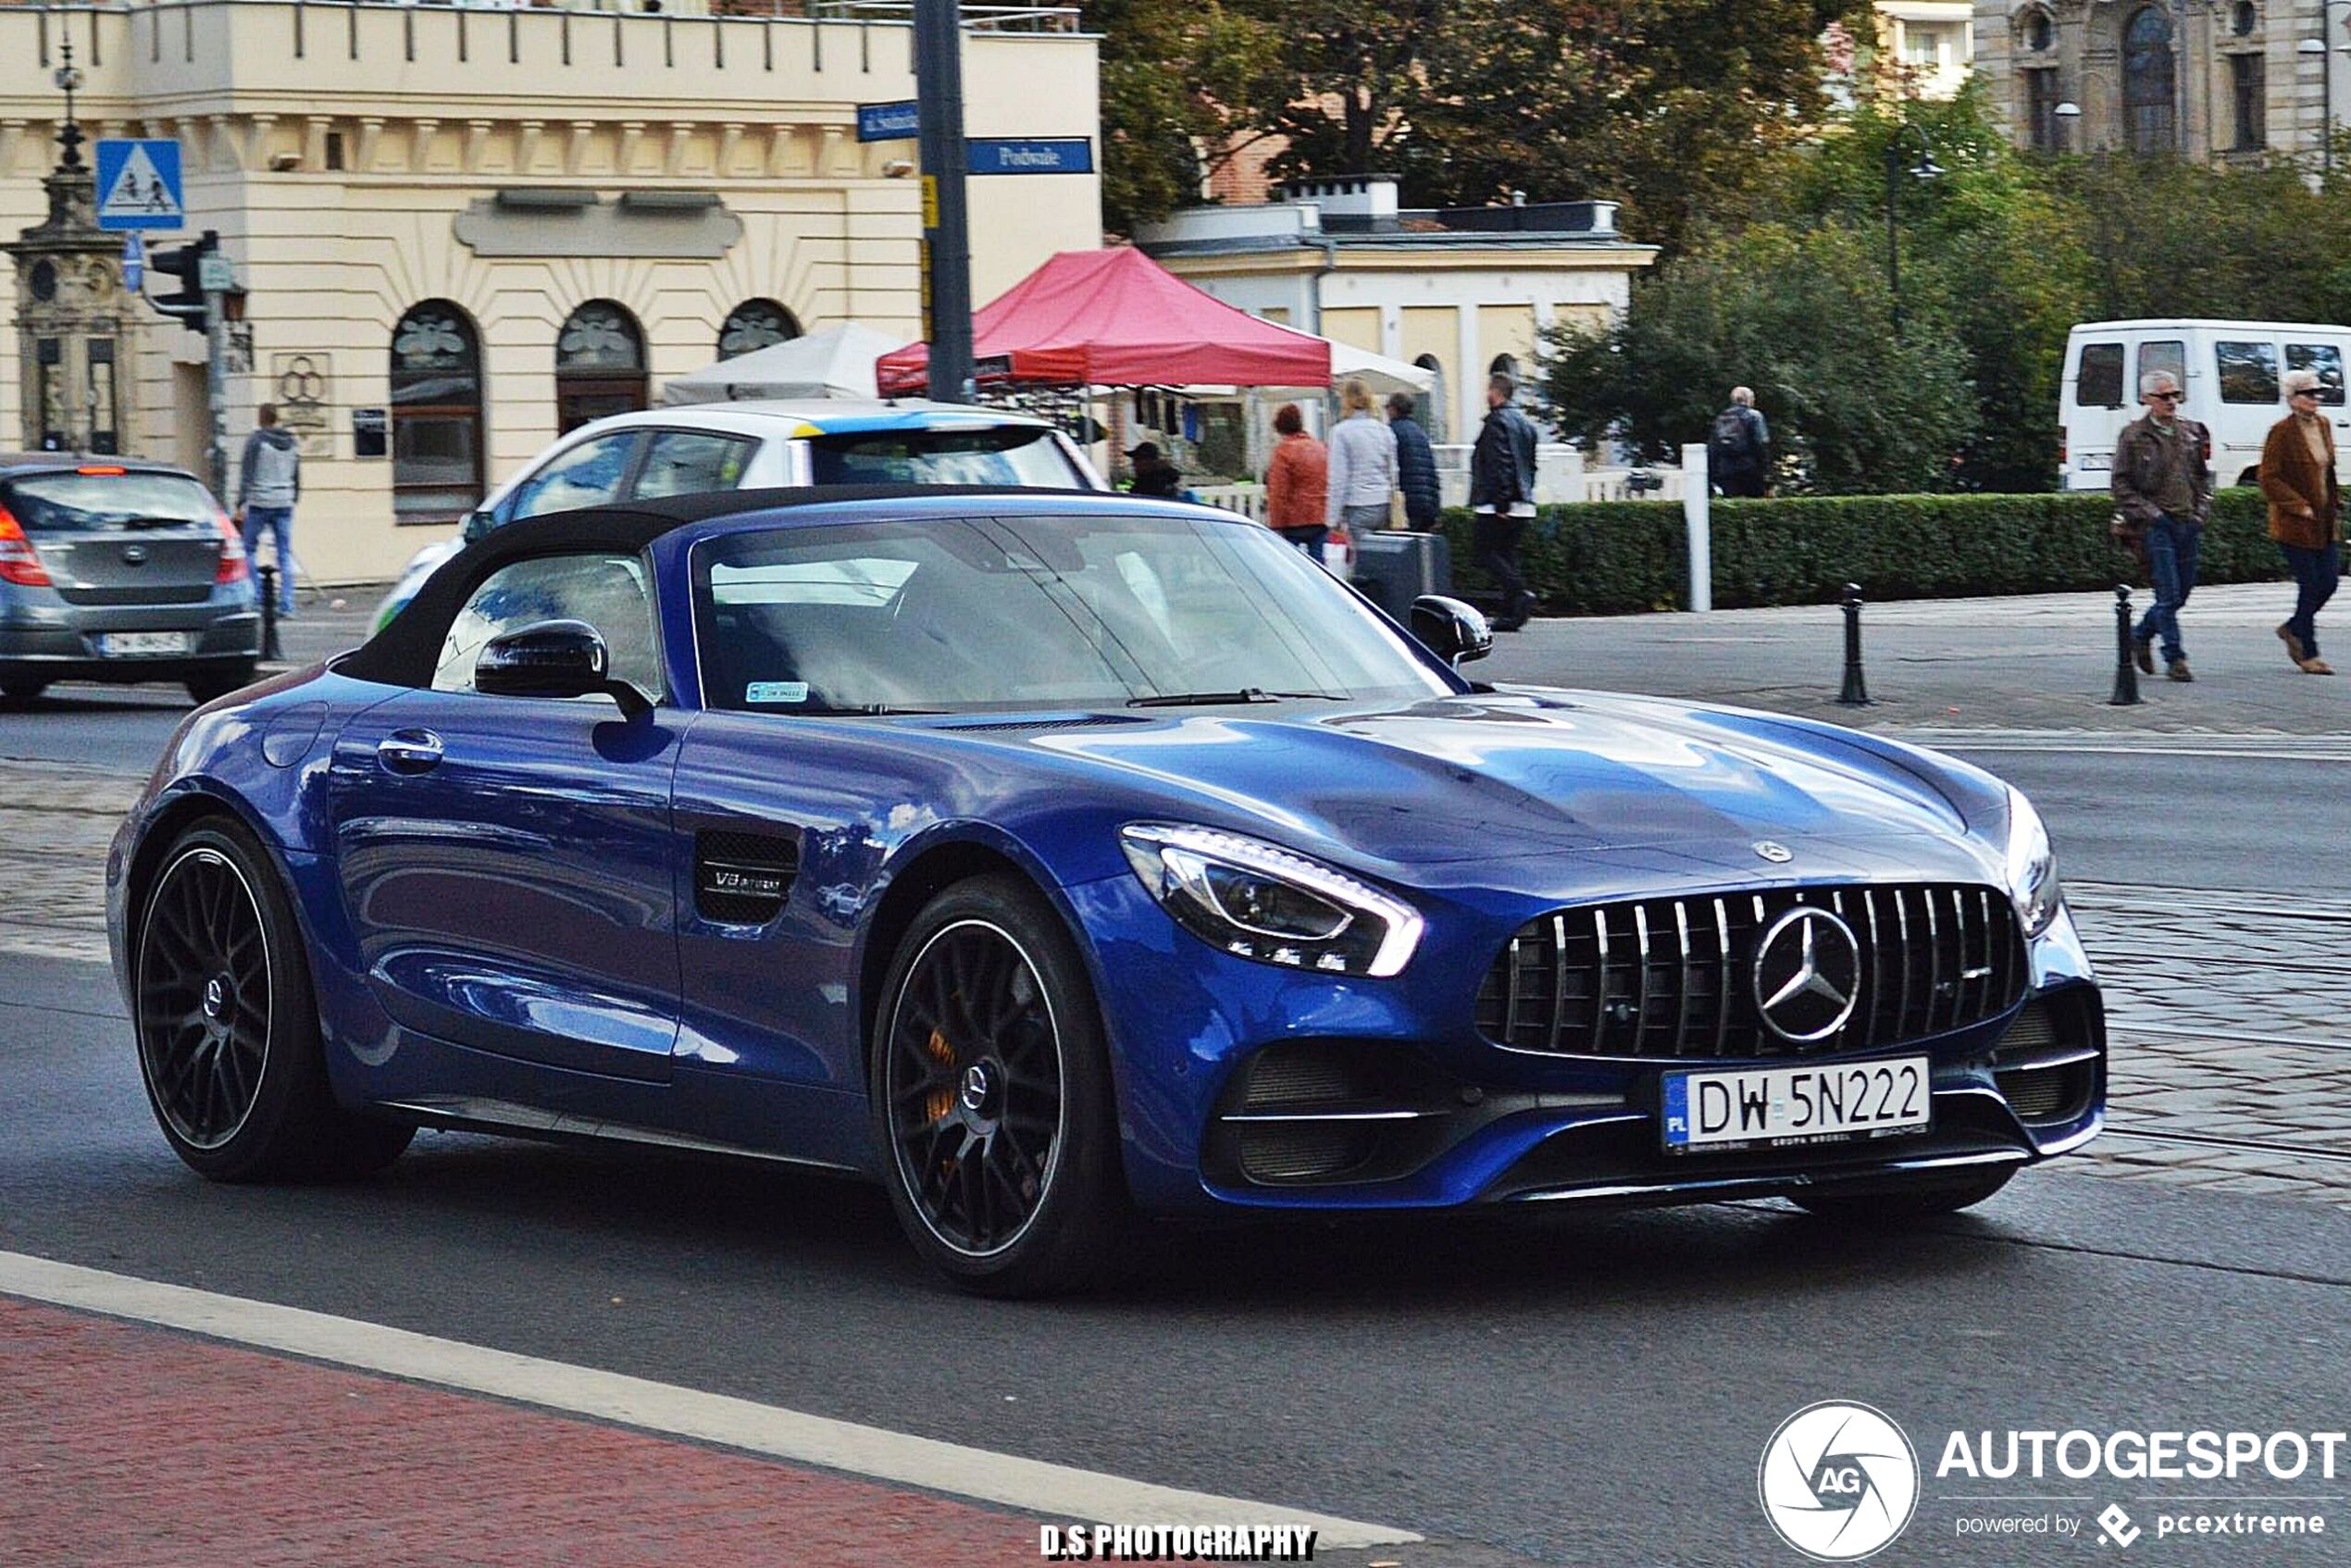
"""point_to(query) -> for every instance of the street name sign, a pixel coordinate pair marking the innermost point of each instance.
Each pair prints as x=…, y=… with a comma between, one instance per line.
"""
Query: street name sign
x=889, y=122
x=138, y=180
x=1031, y=154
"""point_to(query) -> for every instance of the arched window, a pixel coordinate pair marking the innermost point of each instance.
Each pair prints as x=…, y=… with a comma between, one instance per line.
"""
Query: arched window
x=1433, y=408
x=2038, y=32
x=2149, y=89
x=600, y=365
x=2245, y=19
x=755, y=324
x=435, y=415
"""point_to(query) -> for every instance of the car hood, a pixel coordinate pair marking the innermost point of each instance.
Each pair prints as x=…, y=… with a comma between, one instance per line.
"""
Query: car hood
x=1503, y=776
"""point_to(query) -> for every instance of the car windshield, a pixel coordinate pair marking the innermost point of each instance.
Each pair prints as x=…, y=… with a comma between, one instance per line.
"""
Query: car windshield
x=958, y=615
x=74, y=503
x=1008, y=455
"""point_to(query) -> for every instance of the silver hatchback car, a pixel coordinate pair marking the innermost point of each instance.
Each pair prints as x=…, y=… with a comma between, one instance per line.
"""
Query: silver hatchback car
x=119, y=571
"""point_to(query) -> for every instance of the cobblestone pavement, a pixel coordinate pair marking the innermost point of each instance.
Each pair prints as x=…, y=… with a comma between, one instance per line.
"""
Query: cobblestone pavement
x=2226, y=1017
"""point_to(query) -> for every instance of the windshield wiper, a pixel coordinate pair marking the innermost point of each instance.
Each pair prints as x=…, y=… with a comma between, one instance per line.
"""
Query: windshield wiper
x=1211, y=699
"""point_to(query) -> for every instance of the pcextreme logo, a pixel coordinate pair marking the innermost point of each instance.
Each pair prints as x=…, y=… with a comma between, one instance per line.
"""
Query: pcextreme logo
x=1838, y=1480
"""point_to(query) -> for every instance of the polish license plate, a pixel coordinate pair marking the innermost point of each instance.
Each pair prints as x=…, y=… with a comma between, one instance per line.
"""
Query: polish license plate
x=2092, y=464
x=119, y=645
x=1779, y=1107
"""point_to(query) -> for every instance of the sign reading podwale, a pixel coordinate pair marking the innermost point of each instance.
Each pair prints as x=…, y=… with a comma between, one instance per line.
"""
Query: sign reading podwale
x=1174, y=1543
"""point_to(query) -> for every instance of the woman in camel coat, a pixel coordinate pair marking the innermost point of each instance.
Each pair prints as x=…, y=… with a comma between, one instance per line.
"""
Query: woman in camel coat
x=2297, y=479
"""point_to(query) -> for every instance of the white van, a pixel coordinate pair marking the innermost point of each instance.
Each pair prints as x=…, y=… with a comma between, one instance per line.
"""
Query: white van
x=2230, y=370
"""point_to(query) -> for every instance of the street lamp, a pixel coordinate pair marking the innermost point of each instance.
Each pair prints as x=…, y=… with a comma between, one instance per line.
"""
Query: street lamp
x=2067, y=113
x=1905, y=135
x=2326, y=82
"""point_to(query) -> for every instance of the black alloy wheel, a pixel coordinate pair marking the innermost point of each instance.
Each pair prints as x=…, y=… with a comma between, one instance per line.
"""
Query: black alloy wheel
x=203, y=997
x=227, y=1028
x=991, y=1095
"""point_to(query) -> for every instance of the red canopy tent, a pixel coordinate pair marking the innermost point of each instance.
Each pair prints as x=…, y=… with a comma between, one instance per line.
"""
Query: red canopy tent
x=1117, y=318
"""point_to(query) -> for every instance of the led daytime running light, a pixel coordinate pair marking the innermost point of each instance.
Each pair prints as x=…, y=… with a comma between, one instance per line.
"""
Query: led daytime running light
x=1400, y=924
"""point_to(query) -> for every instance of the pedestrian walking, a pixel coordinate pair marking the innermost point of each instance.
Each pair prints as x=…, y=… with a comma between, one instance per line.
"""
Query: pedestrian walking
x=1298, y=484
x=1739, y=449
x=2163, y=487
x=1415, y=465
x=1362, y=463
x=1502, y=497
x=2306, y=513
x=1154, y=475
x=268, y=483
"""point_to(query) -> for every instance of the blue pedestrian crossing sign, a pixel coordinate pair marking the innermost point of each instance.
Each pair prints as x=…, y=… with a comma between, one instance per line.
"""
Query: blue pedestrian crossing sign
x=138, y=183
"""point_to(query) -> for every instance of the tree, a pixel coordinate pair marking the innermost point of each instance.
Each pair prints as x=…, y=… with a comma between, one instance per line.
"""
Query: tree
x=1803, y=317
x=1170, y=69
x=1668, y=105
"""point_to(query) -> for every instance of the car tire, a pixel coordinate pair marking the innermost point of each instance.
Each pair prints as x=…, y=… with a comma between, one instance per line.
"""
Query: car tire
x=1922, y=1199
x=991, y=1098
x=210, y=686
x=226, y=1023
x=22, y=691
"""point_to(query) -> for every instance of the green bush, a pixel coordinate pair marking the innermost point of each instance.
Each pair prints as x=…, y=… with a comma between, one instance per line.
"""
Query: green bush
x=1616, y=557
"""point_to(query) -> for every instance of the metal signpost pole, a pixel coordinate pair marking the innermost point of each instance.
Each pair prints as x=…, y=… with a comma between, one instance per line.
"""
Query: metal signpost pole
x=938, y=65
x=216, y=276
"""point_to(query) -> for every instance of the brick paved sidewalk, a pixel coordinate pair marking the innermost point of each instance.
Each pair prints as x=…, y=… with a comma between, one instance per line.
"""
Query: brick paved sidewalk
x=2039, y=662
x=127, y=1447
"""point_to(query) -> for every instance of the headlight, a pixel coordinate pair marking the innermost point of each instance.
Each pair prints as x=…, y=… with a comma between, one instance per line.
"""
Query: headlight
x=1255, y=899
x=2032, y=870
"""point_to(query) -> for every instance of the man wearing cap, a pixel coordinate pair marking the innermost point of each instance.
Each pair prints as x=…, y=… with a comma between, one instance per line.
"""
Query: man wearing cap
x=1154, y=475
x=2161, y=484
x=2306, y=511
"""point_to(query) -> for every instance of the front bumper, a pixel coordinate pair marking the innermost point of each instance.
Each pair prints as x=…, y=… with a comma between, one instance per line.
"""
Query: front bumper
x=1242, y=1086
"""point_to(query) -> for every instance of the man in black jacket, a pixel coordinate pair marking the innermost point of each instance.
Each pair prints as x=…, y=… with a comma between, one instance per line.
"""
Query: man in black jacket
x=1415, y=465
x=1502, y=497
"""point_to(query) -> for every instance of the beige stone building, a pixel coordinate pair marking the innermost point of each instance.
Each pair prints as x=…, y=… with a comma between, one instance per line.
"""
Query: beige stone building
x=2217, y=80
x=462, y=228
x=1458, y=291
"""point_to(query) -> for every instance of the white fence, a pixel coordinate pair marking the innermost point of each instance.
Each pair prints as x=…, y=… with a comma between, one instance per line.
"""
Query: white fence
x=1559, y=476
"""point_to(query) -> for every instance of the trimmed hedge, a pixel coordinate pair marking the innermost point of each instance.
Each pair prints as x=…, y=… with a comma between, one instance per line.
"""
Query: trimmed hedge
x=1614, y=557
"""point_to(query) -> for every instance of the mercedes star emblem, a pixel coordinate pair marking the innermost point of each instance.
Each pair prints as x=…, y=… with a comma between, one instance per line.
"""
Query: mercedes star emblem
x=1808, y=975
x=1778, y=854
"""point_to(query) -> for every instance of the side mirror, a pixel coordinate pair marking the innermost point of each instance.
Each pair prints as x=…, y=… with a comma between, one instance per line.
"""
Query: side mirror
x=1452, y=630
x=554, y=659
x=477, y=525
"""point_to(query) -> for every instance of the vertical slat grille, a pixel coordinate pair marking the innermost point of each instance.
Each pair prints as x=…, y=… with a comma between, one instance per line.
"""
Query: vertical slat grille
x=1674, y=977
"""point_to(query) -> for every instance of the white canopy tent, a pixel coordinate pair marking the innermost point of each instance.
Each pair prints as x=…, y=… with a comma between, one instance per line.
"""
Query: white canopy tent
x=833, y=362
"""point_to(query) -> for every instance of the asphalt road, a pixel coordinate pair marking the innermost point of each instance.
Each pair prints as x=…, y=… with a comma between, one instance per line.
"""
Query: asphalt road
x=1584, y=1390
x=2150, y=817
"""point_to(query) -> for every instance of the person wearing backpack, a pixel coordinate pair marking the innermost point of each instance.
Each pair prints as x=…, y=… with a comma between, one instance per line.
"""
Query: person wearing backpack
x=268, y=483
x=1739, y=450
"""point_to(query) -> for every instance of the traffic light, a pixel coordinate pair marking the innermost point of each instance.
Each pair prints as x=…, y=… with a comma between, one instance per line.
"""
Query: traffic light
x=186, y=263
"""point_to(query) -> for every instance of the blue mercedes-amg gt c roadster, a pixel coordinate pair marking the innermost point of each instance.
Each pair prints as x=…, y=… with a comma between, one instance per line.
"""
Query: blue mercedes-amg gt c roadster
x=1064, y=859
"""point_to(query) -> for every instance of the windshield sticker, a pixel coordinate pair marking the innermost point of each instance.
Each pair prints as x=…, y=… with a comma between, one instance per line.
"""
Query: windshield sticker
x=777, y=692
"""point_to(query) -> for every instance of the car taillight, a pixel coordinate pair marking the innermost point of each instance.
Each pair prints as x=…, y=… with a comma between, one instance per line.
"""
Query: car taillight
x=233, y=553
x=19, y=562
x=2065, y=449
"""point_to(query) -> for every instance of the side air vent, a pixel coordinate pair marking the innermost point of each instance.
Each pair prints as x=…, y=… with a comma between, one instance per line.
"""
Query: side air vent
x=743, y=879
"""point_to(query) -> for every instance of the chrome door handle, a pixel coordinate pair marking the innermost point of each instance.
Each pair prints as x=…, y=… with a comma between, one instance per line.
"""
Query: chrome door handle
x=409, y=750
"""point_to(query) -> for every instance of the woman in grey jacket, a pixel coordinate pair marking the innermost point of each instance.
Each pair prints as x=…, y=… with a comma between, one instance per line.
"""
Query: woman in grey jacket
x=1362, y=466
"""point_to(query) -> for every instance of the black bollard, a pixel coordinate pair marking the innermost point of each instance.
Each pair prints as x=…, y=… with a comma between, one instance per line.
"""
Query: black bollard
x=2126, y=669
x=268, y=578
x=1857, y=689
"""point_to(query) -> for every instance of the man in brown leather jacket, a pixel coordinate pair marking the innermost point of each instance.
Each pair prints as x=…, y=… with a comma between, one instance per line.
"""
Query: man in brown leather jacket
x=2163, y=485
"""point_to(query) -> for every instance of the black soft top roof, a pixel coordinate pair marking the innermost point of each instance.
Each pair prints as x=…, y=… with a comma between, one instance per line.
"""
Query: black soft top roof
x=405, y=653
